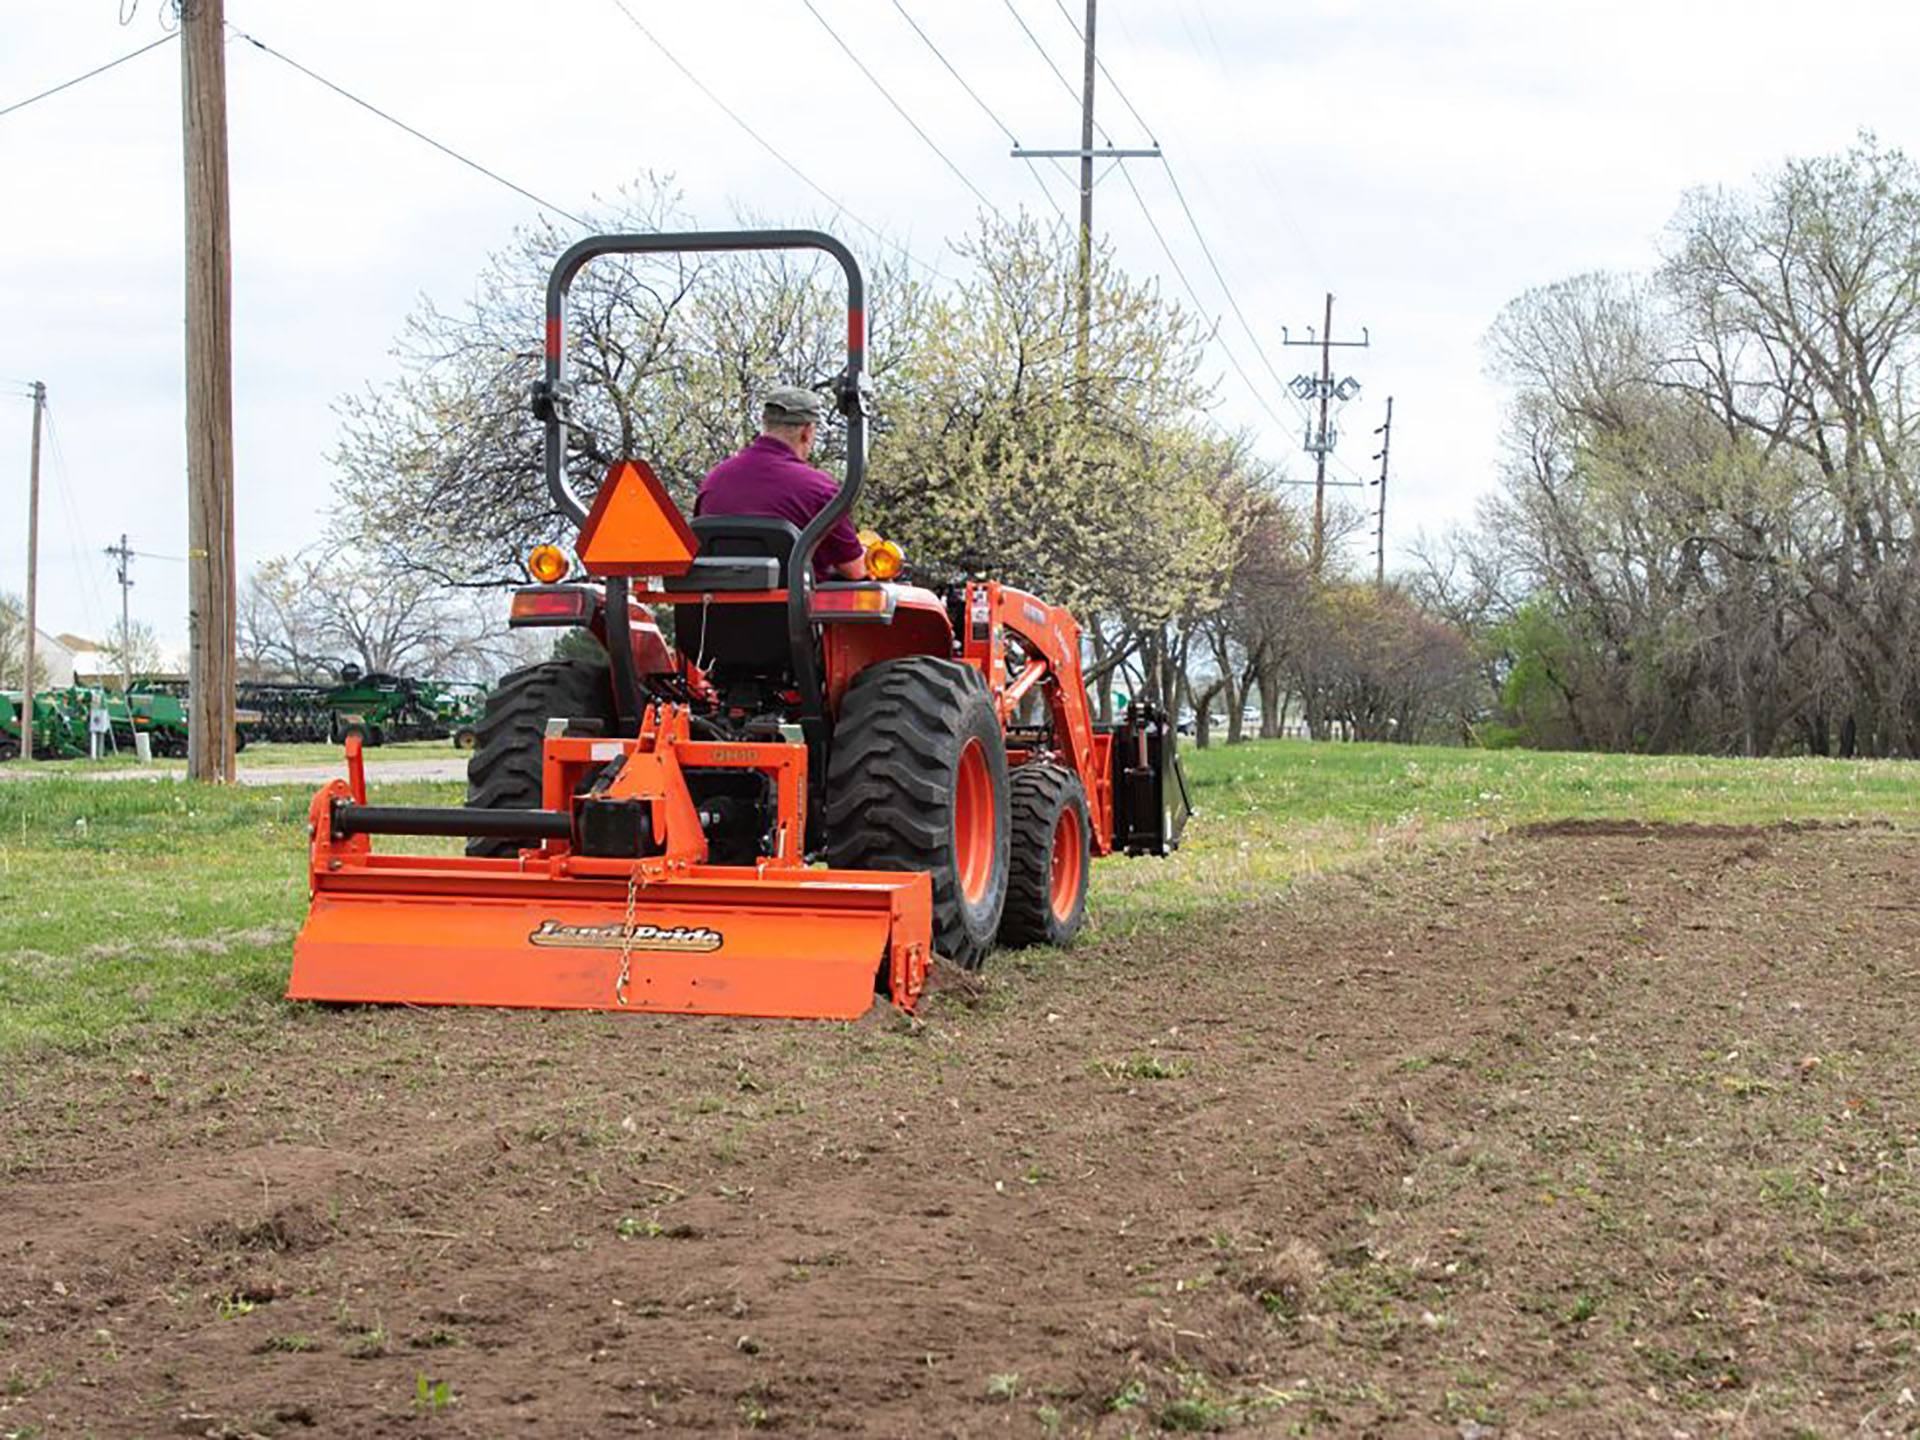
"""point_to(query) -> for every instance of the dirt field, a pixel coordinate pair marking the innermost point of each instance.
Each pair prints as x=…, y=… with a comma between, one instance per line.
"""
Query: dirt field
x=1583, y=1131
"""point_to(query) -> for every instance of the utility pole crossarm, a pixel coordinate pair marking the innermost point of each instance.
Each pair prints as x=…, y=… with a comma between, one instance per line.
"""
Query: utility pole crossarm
x=1098, y=153
x=1364, y=342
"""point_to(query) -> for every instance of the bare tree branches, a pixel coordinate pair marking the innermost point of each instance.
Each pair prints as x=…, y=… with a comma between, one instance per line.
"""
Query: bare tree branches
x=1705, y=533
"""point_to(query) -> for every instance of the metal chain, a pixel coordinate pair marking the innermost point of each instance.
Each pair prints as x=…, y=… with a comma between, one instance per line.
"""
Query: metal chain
x=626, y=937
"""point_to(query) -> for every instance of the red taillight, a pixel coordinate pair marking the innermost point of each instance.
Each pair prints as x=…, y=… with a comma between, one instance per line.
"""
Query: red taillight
x=551, y=605
x=851, y=602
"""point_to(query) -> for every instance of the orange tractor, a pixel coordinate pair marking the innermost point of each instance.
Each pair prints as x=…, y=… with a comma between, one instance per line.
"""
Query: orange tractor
x=645, y=832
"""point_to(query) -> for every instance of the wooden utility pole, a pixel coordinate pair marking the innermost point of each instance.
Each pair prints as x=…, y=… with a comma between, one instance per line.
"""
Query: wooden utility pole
x=123, y=558
x=1385, y=432
x=33, y=572
x=1325, y=443
x=1086, y=206
x=1320, y=443
x=210, y=583
x=1086, y=154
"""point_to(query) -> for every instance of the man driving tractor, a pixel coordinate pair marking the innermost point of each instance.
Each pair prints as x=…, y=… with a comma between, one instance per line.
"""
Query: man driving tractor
x=771, y=477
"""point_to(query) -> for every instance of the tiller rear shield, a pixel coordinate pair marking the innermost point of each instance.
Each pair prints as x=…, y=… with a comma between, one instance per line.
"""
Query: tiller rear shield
x=553, y=928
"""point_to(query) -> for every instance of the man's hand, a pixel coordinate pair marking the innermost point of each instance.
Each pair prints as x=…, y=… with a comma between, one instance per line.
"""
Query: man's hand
x=854, y=569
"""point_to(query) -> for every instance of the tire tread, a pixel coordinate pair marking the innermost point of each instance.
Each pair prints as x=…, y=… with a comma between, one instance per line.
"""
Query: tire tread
x=1037, y=795
x=889, y=798
x=504, y=771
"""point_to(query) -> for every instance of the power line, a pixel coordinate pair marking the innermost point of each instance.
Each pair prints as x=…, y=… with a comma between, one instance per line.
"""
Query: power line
x=1146, y=213
x=1214, y=265
x=901, y=110
x=91, y=605
x=1173, y=179
x=421, y=135
x=1193, y=295
x=985, y=108
x=1259, y=167
x=1033, y=39
x=768, y=146
x=97, y=70
x=940, y=55
x=1072, y=25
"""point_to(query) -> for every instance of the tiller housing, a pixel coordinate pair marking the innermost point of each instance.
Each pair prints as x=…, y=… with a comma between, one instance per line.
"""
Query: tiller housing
x=614, y=905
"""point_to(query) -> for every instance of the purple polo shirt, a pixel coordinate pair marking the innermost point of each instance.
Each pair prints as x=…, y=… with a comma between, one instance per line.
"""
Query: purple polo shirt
x=767, y=478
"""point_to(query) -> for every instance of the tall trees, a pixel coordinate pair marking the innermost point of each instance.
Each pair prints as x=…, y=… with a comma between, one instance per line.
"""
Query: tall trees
x=1704, y=531
x=304, y=617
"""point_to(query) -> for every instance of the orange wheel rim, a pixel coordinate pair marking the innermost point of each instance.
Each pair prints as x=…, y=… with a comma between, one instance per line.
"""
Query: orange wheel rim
x=973, y=823
x=1066, y=867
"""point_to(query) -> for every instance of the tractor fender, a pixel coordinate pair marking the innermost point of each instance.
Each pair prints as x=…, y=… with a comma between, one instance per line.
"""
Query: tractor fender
x=919, y=627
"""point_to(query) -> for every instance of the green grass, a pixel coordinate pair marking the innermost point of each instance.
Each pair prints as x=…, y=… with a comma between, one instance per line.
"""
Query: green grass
x=1275, y=810
x=261, y=756
x=125, y=905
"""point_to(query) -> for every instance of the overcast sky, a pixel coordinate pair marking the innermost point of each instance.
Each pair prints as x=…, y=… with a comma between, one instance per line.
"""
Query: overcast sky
x=1426, y=160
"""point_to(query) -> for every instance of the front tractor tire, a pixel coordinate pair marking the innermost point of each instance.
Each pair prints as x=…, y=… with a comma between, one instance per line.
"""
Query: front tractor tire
x=504, y=772
x=918, y=781
x=1052, y=857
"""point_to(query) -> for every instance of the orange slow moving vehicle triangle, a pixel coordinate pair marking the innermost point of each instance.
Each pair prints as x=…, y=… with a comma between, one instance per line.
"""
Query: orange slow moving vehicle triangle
x=634, y=527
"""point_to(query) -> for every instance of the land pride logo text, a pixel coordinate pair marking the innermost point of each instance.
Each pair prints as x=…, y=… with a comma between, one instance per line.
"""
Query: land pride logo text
x=697, y=939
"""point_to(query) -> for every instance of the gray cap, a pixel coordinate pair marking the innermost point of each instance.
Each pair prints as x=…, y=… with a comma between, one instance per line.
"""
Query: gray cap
x=794, y=405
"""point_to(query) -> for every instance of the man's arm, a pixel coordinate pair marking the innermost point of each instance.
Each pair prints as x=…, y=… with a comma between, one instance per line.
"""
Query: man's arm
x=841, y=551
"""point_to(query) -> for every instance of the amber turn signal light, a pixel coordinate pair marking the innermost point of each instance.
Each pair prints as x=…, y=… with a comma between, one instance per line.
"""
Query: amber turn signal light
x=547, y=564
x=885, y=560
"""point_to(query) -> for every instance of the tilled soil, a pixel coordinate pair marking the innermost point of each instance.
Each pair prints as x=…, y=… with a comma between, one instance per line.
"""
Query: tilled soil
x=1582, y=1131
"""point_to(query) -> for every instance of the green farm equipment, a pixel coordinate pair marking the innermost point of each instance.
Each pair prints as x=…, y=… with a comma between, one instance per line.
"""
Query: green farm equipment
x=57, y=733
x=459, y=706
x=379, y=707
x=159, y=710
x=289, y=714
x=162, y=716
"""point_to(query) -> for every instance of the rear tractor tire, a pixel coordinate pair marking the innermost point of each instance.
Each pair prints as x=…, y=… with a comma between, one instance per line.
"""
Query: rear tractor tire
x=918, y=781
x=504, y=772
x=1052, y=857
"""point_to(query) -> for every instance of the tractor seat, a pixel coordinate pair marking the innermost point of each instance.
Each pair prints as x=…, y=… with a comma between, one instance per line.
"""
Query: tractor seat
x=737, y=552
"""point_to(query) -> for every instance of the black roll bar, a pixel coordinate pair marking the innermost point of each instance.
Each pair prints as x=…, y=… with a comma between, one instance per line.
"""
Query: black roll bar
x=551, y=400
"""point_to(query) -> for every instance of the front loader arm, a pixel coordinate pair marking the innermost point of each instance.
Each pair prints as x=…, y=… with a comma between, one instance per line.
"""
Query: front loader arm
x=1049, y=638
